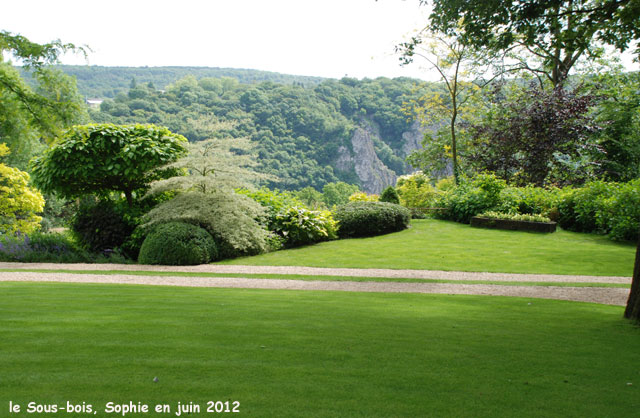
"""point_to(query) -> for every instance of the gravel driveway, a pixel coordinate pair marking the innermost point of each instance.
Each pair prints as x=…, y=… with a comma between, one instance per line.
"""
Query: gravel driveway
x=605, y=295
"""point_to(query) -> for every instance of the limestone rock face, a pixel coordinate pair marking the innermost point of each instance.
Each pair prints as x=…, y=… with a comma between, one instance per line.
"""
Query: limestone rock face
x=373, y=174
x=412, y=139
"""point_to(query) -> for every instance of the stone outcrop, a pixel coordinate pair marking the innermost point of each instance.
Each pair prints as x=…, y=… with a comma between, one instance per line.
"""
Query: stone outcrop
x=373, y=174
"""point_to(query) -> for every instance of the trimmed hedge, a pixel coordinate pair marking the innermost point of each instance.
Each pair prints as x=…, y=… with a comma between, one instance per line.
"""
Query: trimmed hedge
x=178, y=244
x=366, y=219
x=512, y=224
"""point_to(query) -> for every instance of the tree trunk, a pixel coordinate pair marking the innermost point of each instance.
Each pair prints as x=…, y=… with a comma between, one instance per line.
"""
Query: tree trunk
x=129, y=195
x=633, y=304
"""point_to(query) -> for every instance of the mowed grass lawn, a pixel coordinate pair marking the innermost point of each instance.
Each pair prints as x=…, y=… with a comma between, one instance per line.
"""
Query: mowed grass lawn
x=441, y=245
x=299, y=354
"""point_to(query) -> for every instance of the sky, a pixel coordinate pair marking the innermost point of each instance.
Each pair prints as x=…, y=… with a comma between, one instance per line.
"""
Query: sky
x=326, y=38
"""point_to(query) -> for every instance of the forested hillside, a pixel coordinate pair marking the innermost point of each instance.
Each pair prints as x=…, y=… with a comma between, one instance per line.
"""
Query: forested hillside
x=107, y=82
x=305, y=134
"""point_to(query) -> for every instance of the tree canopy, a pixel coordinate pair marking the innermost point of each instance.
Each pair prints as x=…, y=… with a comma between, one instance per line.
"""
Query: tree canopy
x=31, y=114
x=103, y=158
x=555, y=34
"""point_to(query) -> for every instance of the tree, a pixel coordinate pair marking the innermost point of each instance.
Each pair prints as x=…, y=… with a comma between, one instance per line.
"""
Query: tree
x=454, y=61
x=618, y=112
x=19, y=203
x=632, y=311
x=206, y=195
x=215, y=164
x=536, y=136
x=28, y=116
x=337, y=193
x=103, y=158
x=555, y=33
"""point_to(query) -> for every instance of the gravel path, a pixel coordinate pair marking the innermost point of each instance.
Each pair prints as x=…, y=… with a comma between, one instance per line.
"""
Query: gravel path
x=613, y=296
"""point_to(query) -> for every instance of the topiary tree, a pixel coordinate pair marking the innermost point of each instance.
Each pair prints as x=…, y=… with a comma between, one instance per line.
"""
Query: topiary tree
x=390, y=195
x=19, y=203
x=103, y=158
x=178, y=244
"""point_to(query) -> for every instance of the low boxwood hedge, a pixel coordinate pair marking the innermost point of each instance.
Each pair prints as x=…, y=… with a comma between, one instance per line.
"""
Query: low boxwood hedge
x=366, y=219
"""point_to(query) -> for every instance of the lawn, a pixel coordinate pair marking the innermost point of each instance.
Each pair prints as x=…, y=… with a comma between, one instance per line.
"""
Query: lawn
x=291, y=353
x=441, y=245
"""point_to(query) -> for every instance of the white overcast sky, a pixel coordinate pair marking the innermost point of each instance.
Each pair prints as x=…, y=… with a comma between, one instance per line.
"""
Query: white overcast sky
x=328, y=38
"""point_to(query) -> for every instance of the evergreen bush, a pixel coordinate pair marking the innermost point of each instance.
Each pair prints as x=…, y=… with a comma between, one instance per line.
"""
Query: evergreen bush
x=178, y=244
x=362, y=219
x=100, y=226
x=390, y=195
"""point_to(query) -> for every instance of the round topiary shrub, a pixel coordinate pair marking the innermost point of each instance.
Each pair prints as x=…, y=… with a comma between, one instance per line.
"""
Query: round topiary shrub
x=366, y=219
x=178, y=244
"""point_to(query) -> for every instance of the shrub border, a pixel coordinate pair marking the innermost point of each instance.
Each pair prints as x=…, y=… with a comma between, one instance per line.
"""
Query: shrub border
x=513, y=225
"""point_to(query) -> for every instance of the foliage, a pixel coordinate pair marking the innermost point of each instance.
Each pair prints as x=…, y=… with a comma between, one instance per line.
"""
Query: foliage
x=460, y=69
x=103, y=158
x=178, y=244
x=363, y=197
x=19, y=203
x=301, y=226
x=29, y=114
x=530, y=200
x=310, y=197
x=620, y=215
x=212, y=165
x=100, y=225
x=578, y=208
x=604, y=208
x=273, y=201
x=364, y=219
x=472, y=196
x=108, y=82
x=291, y=220
x=338, y=193
x=618, y=114
x=515, y=216
x=417, y=194
x=230, y=218
x=536, y=137
x=299, y=131
x=390, y=195
x=40, y=247
x=547, y=38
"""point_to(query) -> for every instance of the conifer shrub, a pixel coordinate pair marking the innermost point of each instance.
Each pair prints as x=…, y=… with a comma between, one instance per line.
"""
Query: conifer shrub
x=178, y=244
x=365, y=219
x=390, y=195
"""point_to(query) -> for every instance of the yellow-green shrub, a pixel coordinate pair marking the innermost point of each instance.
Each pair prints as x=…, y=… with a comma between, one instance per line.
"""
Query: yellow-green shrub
x=19, y=203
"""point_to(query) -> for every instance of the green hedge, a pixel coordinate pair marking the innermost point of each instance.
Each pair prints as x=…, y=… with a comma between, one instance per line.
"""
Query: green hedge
x=602, y=207
x=178, y=244
x=363, y=219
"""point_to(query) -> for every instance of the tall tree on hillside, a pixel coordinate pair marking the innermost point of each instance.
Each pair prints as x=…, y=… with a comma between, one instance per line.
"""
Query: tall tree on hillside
x=28, y=116
x=555, y=34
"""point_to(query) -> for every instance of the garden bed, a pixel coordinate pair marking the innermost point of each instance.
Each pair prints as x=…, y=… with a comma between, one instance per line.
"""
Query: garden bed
x=513, y=225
